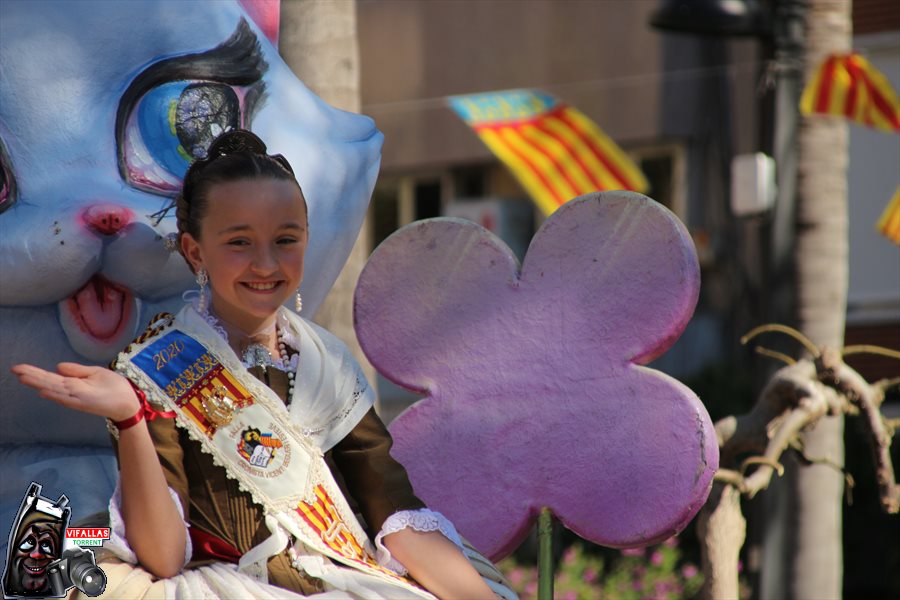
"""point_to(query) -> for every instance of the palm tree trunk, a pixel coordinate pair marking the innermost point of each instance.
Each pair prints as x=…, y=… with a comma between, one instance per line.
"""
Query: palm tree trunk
x=319, y=42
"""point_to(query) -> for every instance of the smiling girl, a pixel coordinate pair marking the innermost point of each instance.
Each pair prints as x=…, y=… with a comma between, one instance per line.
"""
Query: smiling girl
x=247, y=442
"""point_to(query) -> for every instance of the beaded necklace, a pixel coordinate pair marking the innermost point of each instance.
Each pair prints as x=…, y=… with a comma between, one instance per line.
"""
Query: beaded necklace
x=286, y=361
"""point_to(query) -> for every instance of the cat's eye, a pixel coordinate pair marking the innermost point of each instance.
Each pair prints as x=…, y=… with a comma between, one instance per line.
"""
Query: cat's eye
x=173, y=124
x=7, y=182
x=173, y=109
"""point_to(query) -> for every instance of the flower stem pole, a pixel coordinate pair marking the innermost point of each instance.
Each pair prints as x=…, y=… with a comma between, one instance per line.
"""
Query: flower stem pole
x=545, y=554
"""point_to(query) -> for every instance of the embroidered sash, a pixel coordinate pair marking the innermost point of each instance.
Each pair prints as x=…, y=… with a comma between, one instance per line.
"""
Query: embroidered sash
x=246, y=428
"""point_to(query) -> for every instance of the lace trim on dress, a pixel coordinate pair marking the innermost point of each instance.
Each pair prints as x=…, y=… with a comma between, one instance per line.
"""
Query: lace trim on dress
x=361, y=386
x=422, y=519
x=118, y=543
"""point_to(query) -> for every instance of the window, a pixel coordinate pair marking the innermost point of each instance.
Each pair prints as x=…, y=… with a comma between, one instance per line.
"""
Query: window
x=664, y=166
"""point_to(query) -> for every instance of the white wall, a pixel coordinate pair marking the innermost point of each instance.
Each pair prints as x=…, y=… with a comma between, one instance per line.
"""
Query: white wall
x=874, y=175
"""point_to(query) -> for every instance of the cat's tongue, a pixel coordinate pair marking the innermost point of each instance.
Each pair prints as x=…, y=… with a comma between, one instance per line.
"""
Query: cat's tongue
x=99, y=319
x=100, y=307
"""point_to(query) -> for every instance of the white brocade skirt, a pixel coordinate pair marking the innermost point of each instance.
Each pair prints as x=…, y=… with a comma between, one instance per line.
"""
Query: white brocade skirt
x=126, y=581
x=222, y=581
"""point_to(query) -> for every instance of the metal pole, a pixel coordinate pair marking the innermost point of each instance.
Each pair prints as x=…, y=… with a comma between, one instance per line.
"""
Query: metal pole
x=545, y=554
x=789, y=39
x=789, y=26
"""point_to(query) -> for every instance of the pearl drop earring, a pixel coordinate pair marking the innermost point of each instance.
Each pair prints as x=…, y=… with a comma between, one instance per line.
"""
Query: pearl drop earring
x=202, y=280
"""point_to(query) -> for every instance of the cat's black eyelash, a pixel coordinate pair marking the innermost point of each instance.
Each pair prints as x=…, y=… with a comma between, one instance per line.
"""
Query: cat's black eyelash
x=158, y=216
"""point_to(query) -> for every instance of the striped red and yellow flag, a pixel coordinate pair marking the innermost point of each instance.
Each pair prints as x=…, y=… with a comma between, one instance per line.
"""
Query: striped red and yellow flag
x=889, y=223
x=847, y=85
x=554, y=151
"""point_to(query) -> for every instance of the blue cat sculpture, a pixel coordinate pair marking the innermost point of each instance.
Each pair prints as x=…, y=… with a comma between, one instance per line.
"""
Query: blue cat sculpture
x=102, y=107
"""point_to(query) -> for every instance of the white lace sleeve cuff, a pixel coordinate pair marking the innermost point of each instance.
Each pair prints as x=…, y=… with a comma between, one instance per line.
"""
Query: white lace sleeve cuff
x=422, y=519
x=118, y=543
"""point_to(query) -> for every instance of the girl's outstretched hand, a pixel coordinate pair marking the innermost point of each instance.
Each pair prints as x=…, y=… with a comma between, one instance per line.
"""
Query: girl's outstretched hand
x=93, y=390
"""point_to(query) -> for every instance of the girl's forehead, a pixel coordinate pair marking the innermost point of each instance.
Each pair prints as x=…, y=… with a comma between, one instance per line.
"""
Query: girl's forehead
x=254, y=187
x=257, y=200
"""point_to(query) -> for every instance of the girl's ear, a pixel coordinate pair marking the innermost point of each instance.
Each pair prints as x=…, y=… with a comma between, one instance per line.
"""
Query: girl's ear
x=190, y=249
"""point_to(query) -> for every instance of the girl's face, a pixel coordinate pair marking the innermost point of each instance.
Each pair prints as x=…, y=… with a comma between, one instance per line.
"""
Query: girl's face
x=252, y=242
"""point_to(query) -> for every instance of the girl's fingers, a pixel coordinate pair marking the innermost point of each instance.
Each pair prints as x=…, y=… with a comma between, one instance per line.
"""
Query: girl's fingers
x=71, y=389
x=48, y=384
x=36, y=378
x=24, y=369
x=75, y=370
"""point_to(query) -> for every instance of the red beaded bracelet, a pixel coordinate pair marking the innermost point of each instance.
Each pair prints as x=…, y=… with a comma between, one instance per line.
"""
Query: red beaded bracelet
x=138, y=416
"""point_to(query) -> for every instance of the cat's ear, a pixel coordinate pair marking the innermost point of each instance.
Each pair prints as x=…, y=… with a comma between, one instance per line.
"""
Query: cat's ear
x=190, y=249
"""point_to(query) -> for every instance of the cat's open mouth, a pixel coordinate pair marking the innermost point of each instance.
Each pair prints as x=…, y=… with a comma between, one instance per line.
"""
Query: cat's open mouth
x=99, y=318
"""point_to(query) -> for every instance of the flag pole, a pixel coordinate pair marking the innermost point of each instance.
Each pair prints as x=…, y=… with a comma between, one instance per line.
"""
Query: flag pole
x=545, y=554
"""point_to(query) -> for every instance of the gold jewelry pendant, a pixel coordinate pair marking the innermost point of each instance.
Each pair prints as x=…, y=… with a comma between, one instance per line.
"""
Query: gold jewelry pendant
x=219, y=408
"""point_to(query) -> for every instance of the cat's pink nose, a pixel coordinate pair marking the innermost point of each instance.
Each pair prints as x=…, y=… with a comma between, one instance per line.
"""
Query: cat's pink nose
x=107, y=219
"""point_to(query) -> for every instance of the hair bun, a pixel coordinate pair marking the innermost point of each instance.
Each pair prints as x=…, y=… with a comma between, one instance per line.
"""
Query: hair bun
x=235, y=141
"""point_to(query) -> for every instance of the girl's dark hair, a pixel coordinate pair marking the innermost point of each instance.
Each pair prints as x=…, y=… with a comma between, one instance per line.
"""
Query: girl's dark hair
x=234, y=155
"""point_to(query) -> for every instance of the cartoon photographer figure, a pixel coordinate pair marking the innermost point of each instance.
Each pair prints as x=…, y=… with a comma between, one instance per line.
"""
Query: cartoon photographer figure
x=36, y=566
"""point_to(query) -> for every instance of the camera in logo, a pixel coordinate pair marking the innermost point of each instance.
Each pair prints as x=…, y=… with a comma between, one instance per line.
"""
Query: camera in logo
x=36, y=565
x=76, y=568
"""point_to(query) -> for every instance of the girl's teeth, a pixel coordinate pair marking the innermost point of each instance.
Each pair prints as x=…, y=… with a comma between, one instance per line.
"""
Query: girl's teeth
x=261, y=286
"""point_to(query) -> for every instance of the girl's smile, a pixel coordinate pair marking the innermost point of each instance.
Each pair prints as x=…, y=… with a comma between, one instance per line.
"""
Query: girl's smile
x=263, y=286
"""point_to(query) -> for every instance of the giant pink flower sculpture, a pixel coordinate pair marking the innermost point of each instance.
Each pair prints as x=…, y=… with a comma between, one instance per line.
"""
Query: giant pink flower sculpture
x=535, y=393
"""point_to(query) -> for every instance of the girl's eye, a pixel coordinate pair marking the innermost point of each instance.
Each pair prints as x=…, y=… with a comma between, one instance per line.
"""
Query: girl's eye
x=289, y=240
x=46, y=548
x=27, y=545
